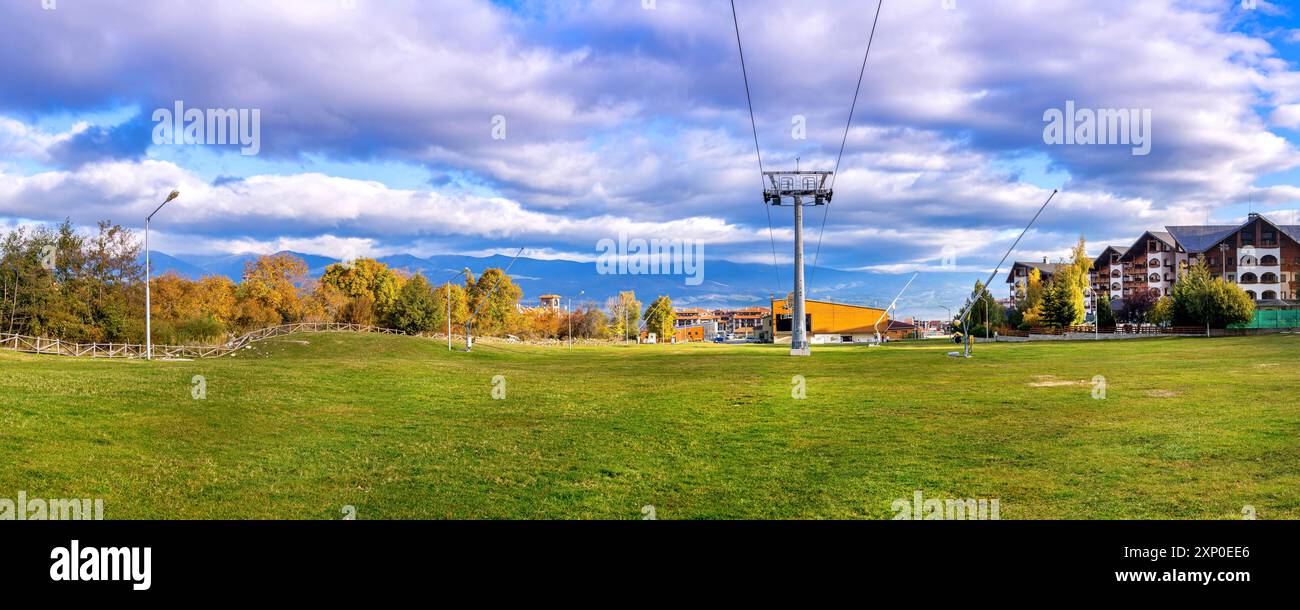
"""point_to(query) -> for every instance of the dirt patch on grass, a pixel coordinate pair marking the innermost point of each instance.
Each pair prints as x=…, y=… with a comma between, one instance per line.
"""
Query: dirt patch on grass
x=1051, y=381
x=1161, y=394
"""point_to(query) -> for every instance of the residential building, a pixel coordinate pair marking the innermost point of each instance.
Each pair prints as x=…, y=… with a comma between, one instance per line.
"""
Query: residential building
x=1261, y=256
x=1018, y=276
x=741, y=322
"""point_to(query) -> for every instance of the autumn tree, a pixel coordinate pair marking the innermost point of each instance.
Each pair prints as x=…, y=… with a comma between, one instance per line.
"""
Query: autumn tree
x=1030, y=302
x=459, y=306
x=1136, y=305
x=493, y=301
x=366, y=276
x=624, y=313
x=358, y=310
x=591, y=323
x=272, y=284
x=660, y=318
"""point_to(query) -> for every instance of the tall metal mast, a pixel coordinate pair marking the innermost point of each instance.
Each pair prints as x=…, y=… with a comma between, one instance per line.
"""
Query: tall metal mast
x=798, y=186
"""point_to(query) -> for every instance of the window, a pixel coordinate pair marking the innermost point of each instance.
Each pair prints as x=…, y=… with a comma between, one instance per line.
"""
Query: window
x=1155, y=262
x=1248, y=278
x=1114, y=272
x=1268, y=278
x=1155, y=292
x=1155, y=277
x=1251, y=294
x=1114, y=286
x=1248, y=237
x=1268, y=260
x=1249, y=261
x=1232, y=277
x=1269, y=295
x=1268, y=237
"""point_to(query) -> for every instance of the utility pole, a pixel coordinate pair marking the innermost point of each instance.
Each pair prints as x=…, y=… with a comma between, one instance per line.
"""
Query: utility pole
x=449, y=315
x=796, y=186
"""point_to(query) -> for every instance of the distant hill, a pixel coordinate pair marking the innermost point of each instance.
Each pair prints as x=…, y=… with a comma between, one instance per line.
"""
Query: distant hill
x=163, y=263
x=725, y=283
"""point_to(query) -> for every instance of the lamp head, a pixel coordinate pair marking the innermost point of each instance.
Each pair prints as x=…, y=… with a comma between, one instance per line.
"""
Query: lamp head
x=173, y=195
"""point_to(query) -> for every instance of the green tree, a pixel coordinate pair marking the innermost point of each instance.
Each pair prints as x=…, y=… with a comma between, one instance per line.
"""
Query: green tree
x=660, y=318
x=1105, y=315
x=985, y=312
x=415, y=310
x=1200, y=299
x=1060, y=309
x=1162, y=312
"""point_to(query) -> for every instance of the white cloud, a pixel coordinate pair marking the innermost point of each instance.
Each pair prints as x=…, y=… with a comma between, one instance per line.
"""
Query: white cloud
x=1287, y=116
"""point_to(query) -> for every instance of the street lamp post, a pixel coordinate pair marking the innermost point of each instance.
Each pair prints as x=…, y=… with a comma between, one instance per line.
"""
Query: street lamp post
x=570, y=316
x=987, y=320
x=148, y=279
x=1096, y=314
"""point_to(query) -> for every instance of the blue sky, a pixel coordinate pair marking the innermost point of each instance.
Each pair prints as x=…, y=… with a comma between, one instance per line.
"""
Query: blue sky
x=377, y=116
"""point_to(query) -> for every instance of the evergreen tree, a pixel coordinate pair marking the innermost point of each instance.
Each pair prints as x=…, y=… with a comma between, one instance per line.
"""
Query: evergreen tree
x=415, y=310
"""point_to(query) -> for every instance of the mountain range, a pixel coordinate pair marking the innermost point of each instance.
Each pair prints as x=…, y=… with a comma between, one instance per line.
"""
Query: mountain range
x=725, y=283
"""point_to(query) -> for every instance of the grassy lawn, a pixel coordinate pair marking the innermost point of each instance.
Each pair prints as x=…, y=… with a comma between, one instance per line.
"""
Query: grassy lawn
x=400, y=428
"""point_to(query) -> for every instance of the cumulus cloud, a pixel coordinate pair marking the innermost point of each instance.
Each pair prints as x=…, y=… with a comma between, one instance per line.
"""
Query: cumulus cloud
x=620, y=119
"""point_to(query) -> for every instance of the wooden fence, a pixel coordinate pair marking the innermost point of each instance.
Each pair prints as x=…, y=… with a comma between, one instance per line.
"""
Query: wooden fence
x=1122, y=329
x=38, y=345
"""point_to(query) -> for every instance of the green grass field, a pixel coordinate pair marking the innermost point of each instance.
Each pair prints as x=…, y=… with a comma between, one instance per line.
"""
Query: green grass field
x=400, y=428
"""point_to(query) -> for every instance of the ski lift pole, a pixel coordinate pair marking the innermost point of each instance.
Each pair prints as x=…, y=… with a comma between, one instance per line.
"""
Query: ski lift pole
x=893, y=303
x=971, y=302
x=469, y=324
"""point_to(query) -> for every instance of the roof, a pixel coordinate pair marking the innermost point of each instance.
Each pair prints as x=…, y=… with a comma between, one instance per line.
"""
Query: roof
x=1163, y=236
x=1199, y=238
x=1104, y=251
x=549, y=296
x=900, y=325
x=1048, y=268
